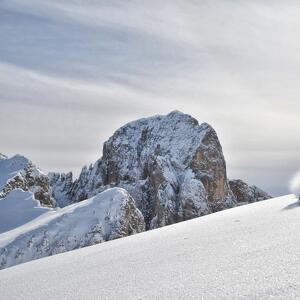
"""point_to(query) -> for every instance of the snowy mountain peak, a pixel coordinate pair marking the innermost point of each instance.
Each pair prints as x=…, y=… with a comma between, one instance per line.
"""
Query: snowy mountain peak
x=174, y=135
x=20, y=172
x=10, y=167
x=171, y=165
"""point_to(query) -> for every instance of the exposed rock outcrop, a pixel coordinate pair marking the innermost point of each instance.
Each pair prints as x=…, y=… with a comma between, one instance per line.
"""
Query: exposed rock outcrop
x=107, y=216
x=172, y=166
x=60, y=187
x=245, y=193
x=19, y=172
x=89, y=182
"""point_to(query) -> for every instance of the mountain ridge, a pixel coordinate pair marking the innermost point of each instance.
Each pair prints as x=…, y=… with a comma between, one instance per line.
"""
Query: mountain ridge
x=169, y=168
x=160, y=158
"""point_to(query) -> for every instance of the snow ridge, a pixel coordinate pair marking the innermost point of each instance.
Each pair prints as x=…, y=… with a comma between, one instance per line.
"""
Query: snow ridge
x=107, y=216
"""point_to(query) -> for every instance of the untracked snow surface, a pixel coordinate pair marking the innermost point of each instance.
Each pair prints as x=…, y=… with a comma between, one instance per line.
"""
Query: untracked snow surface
x=17, y=208
x=248, y=252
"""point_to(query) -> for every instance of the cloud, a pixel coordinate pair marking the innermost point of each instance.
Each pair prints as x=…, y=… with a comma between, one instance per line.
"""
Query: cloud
x=295, y=185
x=72, y=72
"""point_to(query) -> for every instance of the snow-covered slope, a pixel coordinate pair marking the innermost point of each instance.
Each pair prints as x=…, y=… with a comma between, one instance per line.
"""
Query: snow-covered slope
x=17, y=208
x=108, y=215
x=248, y=252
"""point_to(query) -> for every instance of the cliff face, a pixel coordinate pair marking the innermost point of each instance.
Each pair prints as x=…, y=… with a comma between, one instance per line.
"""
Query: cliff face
x=60, y=187
x=172, y=166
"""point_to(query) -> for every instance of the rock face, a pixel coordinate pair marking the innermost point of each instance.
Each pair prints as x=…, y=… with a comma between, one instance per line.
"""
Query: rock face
x=19, y=172
x=107, y=216
x=245, y=193
x=89, y=183
x=171, y=165
x=60, y=187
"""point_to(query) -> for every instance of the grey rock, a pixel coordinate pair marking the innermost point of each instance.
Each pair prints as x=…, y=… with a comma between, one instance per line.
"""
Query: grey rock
x=61, y=187
x=172, y=166
x=245, y=193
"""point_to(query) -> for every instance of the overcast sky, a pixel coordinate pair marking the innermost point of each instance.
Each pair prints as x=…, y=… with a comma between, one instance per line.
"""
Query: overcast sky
x=72, y=72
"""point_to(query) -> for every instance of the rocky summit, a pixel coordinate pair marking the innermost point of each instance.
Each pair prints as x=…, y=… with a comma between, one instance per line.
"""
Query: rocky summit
x=171, y=165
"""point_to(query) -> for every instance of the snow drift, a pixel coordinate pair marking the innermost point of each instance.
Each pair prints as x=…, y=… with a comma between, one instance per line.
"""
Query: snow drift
x=108, y=215
x=17, y=208
x=248, y=252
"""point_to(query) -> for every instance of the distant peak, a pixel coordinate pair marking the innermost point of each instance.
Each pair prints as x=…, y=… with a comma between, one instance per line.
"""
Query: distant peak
x=176, y=113
x=20, y=158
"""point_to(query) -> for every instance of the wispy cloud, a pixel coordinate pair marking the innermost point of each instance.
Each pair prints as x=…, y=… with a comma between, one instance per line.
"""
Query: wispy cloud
x=72, y=71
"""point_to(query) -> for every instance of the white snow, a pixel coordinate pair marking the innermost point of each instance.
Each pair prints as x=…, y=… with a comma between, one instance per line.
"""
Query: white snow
x=78, y=225
x=176, y=136
x=18, y=208
x=248, y=252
